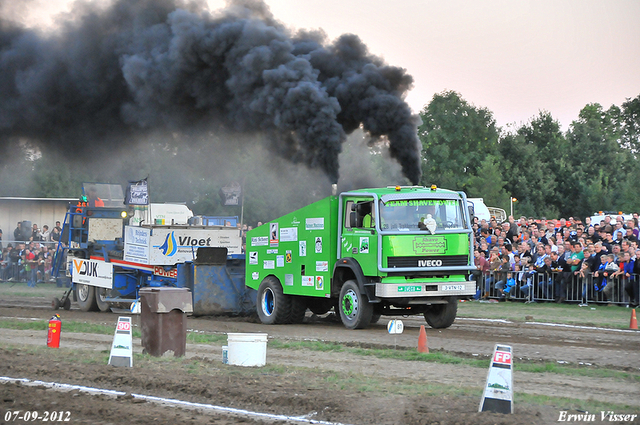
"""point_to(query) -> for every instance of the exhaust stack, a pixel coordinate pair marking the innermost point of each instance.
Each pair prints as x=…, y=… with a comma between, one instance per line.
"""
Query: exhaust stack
x=334, y=189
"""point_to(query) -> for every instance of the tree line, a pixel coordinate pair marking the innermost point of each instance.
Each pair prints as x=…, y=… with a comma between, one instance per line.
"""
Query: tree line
x=593, y=166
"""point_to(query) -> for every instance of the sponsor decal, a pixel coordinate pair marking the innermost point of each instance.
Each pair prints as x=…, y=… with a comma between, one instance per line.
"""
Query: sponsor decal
x=289, y=234
x=302, y=248
x=314, y=223
x=318, y=245
x=322, y=266
x=160, y=271
x=169, y=247
x=253, y=258
x=260, y=241
x=92, y=272
x=273, y=234
x=255, y=275
x=364, y=245
x=307, y=280
x=280, y=261
x=319, y=283
x=425, y=245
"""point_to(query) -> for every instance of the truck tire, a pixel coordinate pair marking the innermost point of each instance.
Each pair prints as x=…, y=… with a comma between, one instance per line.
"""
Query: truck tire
x=375, y=318
x=355, y=309
x=320, y=306
x=273, y=305
x=441, y=316
x=101, y=295
x=86, y=296
x=298, y=310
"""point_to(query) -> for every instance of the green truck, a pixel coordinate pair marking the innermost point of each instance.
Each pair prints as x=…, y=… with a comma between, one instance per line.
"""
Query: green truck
x=393, y=251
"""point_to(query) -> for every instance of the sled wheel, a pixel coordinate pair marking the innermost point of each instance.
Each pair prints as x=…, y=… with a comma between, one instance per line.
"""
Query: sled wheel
x=86, y=297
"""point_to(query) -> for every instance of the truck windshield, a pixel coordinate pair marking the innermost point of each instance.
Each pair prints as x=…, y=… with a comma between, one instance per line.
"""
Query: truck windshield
x=417, y=214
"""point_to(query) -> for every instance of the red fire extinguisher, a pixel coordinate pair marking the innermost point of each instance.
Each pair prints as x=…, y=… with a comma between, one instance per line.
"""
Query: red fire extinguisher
x=53, y=336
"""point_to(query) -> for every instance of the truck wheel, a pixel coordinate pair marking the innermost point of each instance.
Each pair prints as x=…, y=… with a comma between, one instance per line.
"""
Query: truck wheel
x=441, y=316
x=86, y=296
x=101, y=295
x=298, y=310
x=355, y=309
x=319, y=306
x=273, y=305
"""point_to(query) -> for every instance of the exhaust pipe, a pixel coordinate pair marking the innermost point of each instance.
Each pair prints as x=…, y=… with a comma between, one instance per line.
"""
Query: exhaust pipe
x=334, y=189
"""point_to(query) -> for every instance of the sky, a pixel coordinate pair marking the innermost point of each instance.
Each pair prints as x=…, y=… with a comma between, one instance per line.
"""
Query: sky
x=513, y=57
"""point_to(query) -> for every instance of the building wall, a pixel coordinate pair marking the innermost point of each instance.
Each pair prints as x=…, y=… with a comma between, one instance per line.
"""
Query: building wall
x=38, y=211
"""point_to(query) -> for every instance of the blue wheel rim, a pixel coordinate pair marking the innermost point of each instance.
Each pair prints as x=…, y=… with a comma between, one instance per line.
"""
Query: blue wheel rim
x=267, y=302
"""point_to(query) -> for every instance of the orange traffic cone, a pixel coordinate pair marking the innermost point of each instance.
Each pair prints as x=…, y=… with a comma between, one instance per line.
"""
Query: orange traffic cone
x=634, y=322
x=422, y=341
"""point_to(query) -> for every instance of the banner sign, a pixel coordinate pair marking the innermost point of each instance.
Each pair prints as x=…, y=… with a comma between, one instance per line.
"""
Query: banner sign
x=137, y=193
x=92, y=272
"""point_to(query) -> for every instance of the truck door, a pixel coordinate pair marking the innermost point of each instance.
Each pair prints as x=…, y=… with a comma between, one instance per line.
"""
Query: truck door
x=359, y=236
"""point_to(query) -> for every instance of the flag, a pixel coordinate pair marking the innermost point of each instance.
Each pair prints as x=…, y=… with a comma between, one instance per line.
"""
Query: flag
x=137, y=193
x=231, y=193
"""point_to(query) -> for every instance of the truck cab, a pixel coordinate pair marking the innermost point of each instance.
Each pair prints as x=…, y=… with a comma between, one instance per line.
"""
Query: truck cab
x=398, y=250
x=413, y=247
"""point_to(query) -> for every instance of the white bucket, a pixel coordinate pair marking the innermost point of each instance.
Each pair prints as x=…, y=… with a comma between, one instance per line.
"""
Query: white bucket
x=247, y=349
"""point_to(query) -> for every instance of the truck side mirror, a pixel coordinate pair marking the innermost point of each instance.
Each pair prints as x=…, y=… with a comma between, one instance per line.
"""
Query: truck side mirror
x=352, y=220
x=471, y=213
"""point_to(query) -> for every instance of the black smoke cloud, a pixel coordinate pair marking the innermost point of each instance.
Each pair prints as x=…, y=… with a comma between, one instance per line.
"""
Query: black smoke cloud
x=108, y=76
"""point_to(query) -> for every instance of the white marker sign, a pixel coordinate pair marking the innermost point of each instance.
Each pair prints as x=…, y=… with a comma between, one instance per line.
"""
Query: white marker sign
x=498, y=392
x=122, y=347
x=395, y=327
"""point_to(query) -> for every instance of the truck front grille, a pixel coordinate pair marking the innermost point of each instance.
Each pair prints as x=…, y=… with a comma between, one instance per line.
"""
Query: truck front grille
x=427, y=262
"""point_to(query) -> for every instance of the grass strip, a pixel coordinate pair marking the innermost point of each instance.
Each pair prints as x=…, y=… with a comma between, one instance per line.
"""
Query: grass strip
x=448, y=358
x=101, y=329
x=327, y=346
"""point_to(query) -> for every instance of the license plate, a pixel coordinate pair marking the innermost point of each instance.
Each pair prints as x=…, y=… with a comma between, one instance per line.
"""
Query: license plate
x=453, y=287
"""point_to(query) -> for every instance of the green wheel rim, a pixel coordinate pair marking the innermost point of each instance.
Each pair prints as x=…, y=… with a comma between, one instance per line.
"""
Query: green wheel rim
x=350, y=304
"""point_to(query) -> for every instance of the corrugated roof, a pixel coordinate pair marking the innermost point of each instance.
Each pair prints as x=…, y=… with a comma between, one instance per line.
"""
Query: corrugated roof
x=18, y=198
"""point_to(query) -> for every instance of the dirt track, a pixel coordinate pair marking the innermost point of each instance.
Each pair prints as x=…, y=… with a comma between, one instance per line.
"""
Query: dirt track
x=283, y=394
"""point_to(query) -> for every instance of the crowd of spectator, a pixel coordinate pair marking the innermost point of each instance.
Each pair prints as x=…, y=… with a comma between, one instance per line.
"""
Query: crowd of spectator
x=28, y=257
x=558, y=260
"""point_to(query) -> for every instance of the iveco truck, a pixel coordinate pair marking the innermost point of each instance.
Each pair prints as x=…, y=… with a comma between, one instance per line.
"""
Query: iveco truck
x=365, y=253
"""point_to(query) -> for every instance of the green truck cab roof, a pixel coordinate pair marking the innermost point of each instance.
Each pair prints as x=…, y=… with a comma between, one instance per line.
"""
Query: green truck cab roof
x=406, y=192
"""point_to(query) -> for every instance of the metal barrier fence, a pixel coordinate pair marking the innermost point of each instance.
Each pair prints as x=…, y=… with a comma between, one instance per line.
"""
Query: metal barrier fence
x=560, y=287
x=5, y=243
